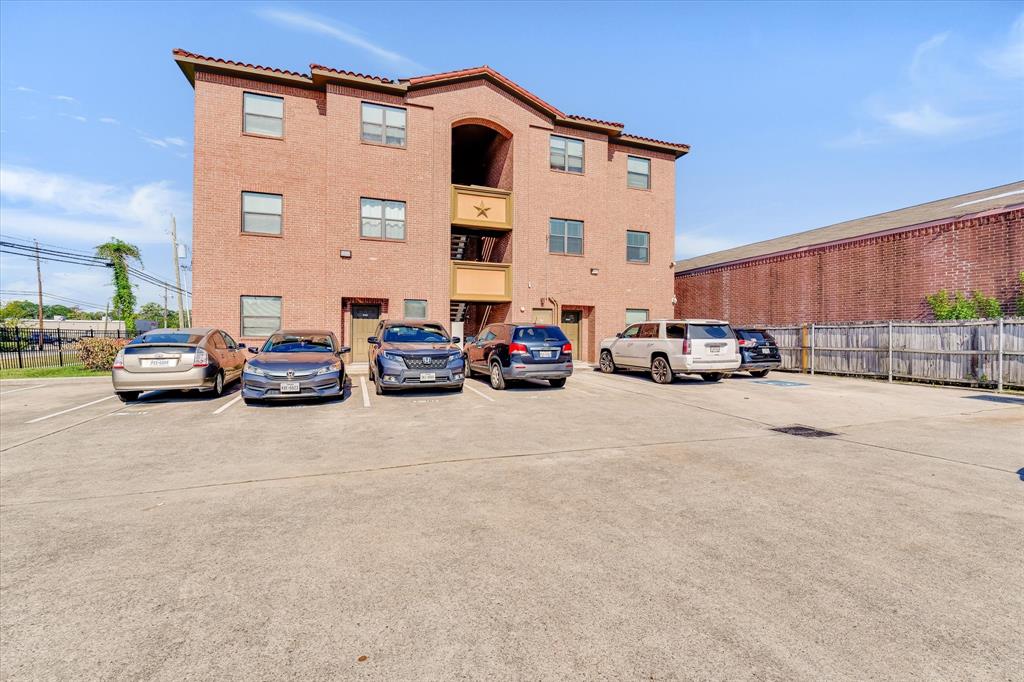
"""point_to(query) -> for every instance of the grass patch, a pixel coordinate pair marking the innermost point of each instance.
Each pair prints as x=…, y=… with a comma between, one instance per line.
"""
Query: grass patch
x=48, y=372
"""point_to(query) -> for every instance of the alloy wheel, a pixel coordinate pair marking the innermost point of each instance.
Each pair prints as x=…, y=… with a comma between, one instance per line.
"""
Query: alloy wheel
x=660, y=371
x=607, y=365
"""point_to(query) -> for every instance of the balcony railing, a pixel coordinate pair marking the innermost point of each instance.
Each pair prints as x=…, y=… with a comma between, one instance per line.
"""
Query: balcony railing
x=481, y=282
x=481, y=207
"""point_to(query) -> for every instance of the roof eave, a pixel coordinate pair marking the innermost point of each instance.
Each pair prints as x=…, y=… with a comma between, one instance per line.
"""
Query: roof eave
x=678, y=150
x=322, y=76
x=188, y=66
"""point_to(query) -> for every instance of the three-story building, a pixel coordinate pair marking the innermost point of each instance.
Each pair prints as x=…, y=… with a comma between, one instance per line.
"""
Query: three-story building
x=333, y=199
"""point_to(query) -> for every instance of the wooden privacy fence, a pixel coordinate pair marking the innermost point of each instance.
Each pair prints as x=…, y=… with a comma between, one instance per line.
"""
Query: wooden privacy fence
x=982, y=352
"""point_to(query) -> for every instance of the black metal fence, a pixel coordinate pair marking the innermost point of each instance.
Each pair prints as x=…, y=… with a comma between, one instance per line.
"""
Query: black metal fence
x=22, y=347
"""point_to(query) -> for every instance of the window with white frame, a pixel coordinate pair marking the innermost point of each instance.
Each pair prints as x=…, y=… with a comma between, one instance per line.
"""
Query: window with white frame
x=566, y=154
x=261, y=315
x=262, y=213
x=264, y=114
x=638, y=246
x=382, y=219
x=383, y=125
x=638, y=172
x=565, y=236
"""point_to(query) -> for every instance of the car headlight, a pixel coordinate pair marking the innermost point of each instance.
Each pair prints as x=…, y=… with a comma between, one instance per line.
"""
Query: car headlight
x=252, y=369
x=393, y=357
x=329, y=368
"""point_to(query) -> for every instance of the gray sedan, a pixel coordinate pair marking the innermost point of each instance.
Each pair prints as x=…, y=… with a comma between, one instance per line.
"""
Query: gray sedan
x=199, y=358
x=295, y=364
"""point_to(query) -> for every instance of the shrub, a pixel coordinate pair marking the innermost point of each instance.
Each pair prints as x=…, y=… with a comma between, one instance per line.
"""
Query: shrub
x=960, y=307
x=98, y=353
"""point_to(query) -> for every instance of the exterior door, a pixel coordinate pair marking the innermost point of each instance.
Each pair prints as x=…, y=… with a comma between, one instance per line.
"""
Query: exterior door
x=543, y=316
x=622, y=348
x=364, y=324
x=571, y=327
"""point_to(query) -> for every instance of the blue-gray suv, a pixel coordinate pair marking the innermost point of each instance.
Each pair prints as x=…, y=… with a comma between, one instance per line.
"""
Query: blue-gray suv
x=415, y=354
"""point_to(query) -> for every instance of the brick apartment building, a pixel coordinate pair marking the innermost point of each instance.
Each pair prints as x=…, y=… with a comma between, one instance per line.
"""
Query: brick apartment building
x=875, y=268
x=332, y=199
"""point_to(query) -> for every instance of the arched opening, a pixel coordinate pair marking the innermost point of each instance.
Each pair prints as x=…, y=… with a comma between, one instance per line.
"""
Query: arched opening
x=481, y=155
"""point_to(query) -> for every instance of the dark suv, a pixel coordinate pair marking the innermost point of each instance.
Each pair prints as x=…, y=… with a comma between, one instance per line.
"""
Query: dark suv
x=759, y=353
x=508, y=352
x=413, y=354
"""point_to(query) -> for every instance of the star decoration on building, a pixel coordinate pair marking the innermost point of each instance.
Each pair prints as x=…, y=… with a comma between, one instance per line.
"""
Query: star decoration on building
x=481, y=210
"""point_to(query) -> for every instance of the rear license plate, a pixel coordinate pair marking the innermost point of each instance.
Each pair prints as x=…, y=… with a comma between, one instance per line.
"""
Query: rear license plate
x=428, y=376
x=159, y=363
x=714, y=349
x=289, y=387
x=766, y=351
x=547, y=354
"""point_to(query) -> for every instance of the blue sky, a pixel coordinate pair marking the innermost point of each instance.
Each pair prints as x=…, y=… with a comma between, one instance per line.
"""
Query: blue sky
x=800, y=115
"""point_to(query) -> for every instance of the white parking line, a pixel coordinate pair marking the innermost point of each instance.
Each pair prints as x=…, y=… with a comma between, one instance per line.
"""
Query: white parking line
x=482, y=395
x=366, y=394
x=227, y=404
x=26, y=388
x=70, y=409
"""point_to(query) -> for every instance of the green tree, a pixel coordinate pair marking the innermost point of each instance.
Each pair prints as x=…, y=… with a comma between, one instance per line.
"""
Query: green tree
x=155, y=312
x=121, y=254
x=961, y=307
x=19, y=310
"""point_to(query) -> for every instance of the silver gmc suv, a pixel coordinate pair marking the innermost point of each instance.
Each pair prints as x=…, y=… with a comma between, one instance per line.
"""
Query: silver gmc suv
x=669, y=347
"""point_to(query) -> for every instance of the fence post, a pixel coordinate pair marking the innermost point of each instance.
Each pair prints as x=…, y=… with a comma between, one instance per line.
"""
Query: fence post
x=999, y=384
x=803, y=348
x=812, y=348
x=60, y=348
x=890, y=351
x=17, y=344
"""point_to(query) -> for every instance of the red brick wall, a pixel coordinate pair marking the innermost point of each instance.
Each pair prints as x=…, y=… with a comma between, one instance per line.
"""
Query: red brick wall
x=875, y=278
x=322, y=168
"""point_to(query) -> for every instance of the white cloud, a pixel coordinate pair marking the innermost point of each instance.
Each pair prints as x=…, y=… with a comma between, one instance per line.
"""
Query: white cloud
x=922, y=50
x=162, y=142
x=340, y=32
x=110, y=121
x=81, y=119
x=64, y=98
x=926, y=120
x=1008, y=60
x=22, y=88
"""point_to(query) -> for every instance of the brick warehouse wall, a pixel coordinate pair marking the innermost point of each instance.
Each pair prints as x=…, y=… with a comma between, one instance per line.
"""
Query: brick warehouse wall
x=322, y=168
x=874, y=278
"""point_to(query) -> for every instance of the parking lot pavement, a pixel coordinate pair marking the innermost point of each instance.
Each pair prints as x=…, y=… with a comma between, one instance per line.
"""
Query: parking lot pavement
x=613, y=528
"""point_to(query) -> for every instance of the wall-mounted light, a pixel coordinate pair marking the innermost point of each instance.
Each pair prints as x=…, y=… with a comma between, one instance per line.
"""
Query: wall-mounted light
x=345, y=253
x=594, y=271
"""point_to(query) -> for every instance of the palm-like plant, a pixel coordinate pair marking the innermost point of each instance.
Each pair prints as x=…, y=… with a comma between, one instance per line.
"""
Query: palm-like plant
x=120, y=254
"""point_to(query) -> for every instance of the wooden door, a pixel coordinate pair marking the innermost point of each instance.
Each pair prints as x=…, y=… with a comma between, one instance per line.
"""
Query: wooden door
x=543, y=316
x=570, y=324
x=364, y=324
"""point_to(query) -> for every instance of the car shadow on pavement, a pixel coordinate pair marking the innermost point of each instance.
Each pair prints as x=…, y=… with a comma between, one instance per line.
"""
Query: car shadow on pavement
x=519, y=386
x=645, y=378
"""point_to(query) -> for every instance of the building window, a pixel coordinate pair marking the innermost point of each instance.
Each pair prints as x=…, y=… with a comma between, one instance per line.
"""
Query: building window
x=566, y=236
x=261, y=213
x=384, y=125
x=638, y=246
x=382, y=219
x=415, y=309
x=261, y=315
x=264, y=115
x=566, y=154
x=638, y=172
x=634, y=315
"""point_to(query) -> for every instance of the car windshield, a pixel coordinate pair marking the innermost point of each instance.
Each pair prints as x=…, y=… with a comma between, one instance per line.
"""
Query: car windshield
x=540, y=334
x=709, y=331
x=166, y=337
x=752, y=335
x=298, y=343
x=401, y=333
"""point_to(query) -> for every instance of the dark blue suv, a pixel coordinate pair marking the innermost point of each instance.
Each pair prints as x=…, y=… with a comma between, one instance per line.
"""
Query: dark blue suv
x=507, y=352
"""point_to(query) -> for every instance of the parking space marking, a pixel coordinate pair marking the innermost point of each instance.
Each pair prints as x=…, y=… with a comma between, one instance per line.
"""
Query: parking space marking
x=26, y=388
x=366, y=394
x=479, y=393
x=70, y=409
x=227, y=404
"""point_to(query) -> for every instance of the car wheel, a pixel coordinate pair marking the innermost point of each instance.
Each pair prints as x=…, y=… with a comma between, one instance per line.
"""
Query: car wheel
x=218, y=385
x=712, y=376
x=557, y=383
x=606, y=363
x=128, y=396
x=497, y=380
x=759, y=373
x=661, y=372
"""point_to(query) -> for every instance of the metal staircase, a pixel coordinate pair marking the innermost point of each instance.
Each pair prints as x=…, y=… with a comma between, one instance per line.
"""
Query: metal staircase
x=459, y=242
x=458, y=311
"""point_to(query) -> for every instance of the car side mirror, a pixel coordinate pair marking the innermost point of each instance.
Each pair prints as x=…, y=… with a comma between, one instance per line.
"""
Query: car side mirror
x=344, y=349
x=373, y=340
x=241, y=346
x=618, y=335
x=470, y=339
x=253, y=350
x=456, y=339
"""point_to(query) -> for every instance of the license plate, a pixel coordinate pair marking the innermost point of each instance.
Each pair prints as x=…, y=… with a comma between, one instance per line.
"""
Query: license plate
x=714, y=349
x=766, y=351
x=428, y=376
x=158, y=363
x=289, y=387
x=547, y=354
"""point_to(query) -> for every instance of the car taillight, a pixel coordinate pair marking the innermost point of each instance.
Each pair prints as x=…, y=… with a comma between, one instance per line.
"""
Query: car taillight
x=119, y=360
x=517, y=348
x=744, y=342
x=686, y=346
x=202, y=358
x=567, y=348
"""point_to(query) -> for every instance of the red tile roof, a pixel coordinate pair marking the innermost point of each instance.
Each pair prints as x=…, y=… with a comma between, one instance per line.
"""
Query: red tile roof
x=488, y=72
x=587, y=119
x=638, y=138
x=177, y=52
x=343, y=72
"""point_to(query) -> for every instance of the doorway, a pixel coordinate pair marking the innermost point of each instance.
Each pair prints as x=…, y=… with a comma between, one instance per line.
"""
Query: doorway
x=570, y=325
x=543, y=316
x=364, y=324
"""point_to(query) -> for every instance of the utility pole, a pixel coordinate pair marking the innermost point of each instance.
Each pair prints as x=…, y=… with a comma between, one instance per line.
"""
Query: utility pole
x=39, y=282
x=165, y=307
x=177, y=270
